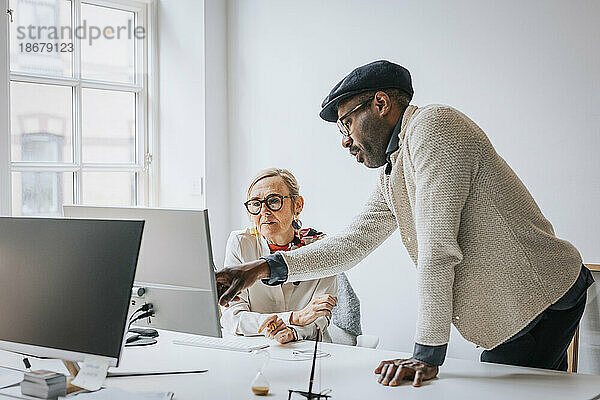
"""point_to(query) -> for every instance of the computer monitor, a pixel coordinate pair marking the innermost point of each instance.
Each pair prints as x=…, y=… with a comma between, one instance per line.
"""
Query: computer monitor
x=175, y=267
x=65, y=286
x=176, y=248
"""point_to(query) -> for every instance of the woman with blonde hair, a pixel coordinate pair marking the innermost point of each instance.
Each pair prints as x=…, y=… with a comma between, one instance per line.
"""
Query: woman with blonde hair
x=293, y=310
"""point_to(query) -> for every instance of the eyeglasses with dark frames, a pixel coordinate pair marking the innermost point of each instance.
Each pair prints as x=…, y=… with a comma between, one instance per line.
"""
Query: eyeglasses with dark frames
x=345, y=129
x=274, y=202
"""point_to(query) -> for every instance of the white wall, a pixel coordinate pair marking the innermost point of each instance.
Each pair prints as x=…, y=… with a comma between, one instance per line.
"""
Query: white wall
x=216, y=138
x=181, y=102
x=192, y=112
x=527, y=72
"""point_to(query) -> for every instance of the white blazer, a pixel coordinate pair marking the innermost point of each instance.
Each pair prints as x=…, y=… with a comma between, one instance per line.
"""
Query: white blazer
x=259, y=301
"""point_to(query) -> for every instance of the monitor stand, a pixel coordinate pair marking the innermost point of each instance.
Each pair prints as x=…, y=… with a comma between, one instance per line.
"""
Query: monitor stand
x=73, y=368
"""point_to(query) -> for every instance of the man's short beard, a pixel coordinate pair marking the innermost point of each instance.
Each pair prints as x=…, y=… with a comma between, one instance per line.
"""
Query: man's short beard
x=376, y=134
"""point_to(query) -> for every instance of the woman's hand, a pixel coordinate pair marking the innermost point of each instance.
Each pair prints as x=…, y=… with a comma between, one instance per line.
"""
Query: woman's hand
x=320, y=306
x=274, y=328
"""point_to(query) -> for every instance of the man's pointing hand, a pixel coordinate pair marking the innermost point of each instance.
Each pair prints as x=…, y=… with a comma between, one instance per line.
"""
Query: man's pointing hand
x=232, y=280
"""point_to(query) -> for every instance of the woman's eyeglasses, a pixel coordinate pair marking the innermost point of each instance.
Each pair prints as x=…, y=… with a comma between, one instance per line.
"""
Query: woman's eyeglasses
x=274, y=202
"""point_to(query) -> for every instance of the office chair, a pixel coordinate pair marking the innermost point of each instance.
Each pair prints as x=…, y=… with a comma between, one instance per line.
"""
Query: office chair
x=368, y=341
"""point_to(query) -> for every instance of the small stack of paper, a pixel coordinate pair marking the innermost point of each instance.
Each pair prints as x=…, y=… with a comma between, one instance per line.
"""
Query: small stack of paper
x=112, y=393
x=44, y=384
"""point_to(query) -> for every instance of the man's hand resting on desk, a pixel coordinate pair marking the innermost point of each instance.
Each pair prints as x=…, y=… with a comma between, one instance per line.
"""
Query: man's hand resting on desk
x=232, y=280
x=393, y=372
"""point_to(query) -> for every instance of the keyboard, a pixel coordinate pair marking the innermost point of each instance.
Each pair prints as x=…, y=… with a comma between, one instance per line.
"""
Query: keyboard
x=232, y=344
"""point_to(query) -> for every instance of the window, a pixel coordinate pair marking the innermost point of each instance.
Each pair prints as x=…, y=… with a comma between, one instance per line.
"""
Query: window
x=79, y=120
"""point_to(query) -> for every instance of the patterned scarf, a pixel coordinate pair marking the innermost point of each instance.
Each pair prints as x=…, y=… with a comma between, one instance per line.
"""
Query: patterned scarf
x=301, y=238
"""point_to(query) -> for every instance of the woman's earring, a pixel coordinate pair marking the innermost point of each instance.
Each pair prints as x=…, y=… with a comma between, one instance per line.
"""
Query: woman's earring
x=296, y=223
x=254, y=230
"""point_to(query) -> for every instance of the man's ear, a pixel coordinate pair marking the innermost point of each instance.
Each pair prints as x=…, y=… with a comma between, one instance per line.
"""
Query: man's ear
x=383, y=103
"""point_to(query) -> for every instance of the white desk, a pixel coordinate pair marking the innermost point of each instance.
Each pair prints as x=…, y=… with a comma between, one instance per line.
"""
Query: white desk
x=348, y=371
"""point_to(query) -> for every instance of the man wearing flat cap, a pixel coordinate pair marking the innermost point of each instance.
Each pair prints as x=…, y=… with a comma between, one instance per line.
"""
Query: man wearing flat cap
x=487, y=260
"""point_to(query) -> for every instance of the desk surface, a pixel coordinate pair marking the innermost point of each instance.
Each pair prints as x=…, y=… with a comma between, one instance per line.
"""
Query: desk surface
x=348, y=372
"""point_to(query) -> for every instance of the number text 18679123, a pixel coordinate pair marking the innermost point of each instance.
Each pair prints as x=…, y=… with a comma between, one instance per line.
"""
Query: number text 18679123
x=45, y=47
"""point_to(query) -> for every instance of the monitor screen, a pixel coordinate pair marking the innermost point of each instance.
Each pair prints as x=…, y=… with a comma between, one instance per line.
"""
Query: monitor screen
x=66, y=285
x=175, y=266
x=176, y=248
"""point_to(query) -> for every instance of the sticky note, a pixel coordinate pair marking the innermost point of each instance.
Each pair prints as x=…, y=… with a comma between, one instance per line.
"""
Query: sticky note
x=92, y=374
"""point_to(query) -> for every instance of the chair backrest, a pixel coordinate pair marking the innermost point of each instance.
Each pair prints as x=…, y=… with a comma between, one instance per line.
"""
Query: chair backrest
x=345, y=320
x=341, y=336
x=368, y=341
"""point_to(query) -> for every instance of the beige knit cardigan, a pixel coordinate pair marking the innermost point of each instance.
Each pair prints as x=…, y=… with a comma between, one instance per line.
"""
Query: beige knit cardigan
x=487, y=259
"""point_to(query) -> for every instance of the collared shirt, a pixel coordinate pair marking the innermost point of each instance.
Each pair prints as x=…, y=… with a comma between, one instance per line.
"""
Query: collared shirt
x=393, y=145
x=256, y=303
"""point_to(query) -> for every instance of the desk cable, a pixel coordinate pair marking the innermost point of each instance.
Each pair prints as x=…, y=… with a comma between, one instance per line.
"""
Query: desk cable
x=148, y=311
x=12, y=369
x=146, y=307
x=298, y=355
x=10, y=396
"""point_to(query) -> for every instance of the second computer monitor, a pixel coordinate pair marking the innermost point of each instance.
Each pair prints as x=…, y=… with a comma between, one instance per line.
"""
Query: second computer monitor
x=176, y=248
x=175, y=268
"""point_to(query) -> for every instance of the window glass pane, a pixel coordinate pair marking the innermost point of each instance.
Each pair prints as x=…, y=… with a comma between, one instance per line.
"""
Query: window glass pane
x=108, y=126
x=41, y=37
x=108, y=52
x=40, y=122
x=41, y=193
x=109, y=188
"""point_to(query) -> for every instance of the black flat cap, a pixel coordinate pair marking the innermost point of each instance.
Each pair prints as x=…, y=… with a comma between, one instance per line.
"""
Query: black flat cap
x=377, y=75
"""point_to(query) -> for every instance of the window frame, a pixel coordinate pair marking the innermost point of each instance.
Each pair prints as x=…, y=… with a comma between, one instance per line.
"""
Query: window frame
x=144, y=87
x=5, y=178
